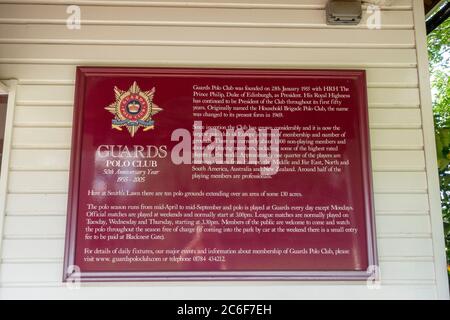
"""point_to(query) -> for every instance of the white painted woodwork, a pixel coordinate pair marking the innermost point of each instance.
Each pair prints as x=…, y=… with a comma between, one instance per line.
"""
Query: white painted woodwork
x=39, y=51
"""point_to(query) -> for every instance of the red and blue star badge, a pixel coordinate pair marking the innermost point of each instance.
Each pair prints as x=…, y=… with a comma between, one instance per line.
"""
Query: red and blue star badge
x=133, y=109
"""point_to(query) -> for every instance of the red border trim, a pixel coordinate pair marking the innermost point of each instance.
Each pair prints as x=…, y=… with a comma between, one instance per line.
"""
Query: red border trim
x=74, y=178
x=71, y=274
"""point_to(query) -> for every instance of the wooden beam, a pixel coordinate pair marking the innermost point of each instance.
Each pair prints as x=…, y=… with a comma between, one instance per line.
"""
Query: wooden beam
x=430, y=4
x=437, y=15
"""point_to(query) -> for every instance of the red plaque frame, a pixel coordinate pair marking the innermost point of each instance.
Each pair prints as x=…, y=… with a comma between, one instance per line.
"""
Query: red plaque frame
x=90, y=79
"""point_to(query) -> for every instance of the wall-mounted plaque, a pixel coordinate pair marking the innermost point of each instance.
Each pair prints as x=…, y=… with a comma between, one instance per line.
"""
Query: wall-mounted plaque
x=214, y=174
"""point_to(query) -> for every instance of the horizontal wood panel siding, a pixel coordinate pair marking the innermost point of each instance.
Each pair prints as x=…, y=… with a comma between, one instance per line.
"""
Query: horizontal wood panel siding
x=52, y=249
x=57, y=182
x=56, y=74
x=48, y=272
x=308, y=4
x=176, y=16
x=39, y=51
x=37, y=116
x=58, y=138
x=55, y=204
x=58, y=160
x=43, y=226
x=378, y=97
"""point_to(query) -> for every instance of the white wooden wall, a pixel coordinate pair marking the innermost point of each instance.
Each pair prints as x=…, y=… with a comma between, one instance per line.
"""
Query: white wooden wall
x=39, y=51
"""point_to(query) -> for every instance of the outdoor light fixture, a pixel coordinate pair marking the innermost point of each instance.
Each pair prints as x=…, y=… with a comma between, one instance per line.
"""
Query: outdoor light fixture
x=344, y=12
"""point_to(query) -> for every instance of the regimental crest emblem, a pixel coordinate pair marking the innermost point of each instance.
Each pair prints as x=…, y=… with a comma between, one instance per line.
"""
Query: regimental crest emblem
x=133, y=109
